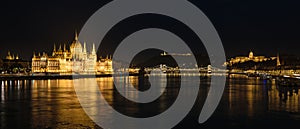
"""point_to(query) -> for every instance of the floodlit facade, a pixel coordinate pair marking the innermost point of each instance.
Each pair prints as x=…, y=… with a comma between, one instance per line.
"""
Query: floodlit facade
x=76, y=59
x=251, y=57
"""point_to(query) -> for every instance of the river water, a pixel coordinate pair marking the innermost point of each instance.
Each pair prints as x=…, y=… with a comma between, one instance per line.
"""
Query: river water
x=246, y=103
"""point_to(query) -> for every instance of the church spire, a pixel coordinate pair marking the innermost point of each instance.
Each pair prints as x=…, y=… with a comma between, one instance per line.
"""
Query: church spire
x=54, y=49
x=278, y=60
x=65, y=49
x=94, y=50
x=76, y=35
x=59, y=48
x=84, y=47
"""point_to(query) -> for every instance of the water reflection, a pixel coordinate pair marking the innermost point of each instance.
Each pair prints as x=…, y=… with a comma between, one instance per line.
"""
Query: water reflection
x=41, y=104
x=246, y=94
x=130, y=108
x=285, y=99
x=54, y=104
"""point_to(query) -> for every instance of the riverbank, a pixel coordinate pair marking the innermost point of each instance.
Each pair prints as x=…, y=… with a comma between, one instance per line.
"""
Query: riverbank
x=54, y=76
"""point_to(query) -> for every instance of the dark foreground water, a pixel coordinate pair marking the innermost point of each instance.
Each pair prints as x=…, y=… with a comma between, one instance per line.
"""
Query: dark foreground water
x=246, y=103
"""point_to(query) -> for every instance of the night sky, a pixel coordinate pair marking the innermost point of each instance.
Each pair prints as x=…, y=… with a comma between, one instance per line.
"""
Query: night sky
x=263, y=26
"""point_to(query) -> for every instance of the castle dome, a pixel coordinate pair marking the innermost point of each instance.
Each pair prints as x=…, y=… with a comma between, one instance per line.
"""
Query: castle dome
x=251, y=55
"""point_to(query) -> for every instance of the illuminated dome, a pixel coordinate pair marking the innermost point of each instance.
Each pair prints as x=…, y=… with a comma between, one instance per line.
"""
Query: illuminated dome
x=251, y=55
x=76, y=47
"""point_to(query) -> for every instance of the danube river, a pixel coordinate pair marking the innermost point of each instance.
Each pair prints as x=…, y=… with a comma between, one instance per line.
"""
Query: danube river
x=246, y=103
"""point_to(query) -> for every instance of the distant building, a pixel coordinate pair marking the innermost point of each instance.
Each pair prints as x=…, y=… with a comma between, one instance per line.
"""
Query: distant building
x=251, y=57
x=105, y=65
x=75, y=59
x=288, y=62
x=14, y=64
x=11, y=56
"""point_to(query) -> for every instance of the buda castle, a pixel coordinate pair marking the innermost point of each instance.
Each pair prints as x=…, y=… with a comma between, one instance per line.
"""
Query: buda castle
x=251, y=57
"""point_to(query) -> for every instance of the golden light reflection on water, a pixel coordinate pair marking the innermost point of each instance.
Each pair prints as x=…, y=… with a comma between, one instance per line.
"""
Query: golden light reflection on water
x=2, y=91
x=255, y=96
x=243, y=96
x=54, y=104
x=284, y=99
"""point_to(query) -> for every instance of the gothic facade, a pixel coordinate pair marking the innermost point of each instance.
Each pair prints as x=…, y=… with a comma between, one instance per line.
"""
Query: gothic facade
x=76, y=59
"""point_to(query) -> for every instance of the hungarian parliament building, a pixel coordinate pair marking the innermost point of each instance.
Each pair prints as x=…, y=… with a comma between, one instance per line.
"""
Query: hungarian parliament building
x=76, y=59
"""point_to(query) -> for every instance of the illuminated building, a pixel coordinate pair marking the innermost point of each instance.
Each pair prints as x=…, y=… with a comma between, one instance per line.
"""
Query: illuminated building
x=11, y=57
x=14, y=64
x=105, y=65
x=251, y=57
x=76, y=59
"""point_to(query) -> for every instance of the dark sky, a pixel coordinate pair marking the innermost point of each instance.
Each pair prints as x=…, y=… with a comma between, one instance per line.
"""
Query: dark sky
x=263, y=26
